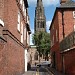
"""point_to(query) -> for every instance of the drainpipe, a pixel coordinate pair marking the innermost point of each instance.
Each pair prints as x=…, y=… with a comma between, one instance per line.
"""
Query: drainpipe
x=63, y=32
x=63, y=24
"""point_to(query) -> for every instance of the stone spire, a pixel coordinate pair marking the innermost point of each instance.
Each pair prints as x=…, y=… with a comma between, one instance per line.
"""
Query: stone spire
x=39, y=3
x=40, y=20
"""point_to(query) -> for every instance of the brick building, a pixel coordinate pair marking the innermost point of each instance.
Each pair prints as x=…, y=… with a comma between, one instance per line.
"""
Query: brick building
x=62, y=31
x=14, y=36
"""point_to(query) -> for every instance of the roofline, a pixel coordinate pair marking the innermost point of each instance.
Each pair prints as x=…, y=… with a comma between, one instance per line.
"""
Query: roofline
x=58, y=8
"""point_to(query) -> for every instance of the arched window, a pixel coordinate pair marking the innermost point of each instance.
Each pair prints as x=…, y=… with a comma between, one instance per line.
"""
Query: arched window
x=43, y=24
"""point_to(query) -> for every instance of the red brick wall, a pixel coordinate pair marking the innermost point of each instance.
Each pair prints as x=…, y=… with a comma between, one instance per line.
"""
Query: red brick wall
x=12, y=55
x=3, y=59
x=55, y=47
x=68, y=28
x=1, y=9
x=69, y=58
x=68, y=23
x=15, y=57
x=11, y=20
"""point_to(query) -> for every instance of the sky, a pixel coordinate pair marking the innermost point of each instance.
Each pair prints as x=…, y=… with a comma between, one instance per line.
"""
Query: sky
x=49, y=8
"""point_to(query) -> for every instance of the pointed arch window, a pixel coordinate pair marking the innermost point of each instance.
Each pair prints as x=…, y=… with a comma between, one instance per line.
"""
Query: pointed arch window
x=40, y=10
x=42, y=24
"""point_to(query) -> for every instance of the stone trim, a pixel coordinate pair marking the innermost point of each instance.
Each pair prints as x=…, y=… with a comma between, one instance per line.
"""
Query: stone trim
x=7, y=32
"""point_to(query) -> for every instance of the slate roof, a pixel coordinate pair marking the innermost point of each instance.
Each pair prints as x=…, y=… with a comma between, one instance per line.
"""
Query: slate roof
x=68, y=4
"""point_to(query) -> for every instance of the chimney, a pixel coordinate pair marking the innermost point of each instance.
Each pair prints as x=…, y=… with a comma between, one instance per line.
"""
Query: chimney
x=62, y=1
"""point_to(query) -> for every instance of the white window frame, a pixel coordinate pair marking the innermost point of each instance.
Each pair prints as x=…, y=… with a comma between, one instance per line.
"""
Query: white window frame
x=25, y=33
x=22, y=32
x=21, y=2
x=27, y=38
x=23, y=6
x=18, y=25
x=74, y=27
x=74, y=14
x=1, y=22
x=25, y=12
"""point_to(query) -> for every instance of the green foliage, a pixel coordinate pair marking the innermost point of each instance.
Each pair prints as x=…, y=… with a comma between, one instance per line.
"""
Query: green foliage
x=42, y=41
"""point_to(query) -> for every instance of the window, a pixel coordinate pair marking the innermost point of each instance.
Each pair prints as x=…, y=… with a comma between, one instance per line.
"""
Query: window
x=25, y=33
x=73, y=14
x=43, y=24
x=18, y=25
x=38, y=24
x=27, y=38
x=23, y=6
x=74, y=27
x=1, y=22
x=25, y=12
x=21, y=32
x=40, y=10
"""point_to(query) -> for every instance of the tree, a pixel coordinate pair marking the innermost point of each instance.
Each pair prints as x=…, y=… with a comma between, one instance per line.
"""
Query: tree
x=42, y=41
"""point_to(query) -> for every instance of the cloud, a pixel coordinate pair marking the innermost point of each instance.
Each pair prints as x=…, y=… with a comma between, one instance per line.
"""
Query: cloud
x=48, y=25
x=45, y=2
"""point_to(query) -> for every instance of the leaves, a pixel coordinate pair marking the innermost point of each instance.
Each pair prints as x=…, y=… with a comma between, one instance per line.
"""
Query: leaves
x=42, y=41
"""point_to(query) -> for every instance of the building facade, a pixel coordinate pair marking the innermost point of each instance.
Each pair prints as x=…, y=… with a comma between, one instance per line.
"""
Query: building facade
x=62, y=31
x=40, y=19
x=34, y=54
x=14, y=36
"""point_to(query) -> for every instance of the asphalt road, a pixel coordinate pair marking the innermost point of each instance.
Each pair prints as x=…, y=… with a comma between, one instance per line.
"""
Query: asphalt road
x=38, y=71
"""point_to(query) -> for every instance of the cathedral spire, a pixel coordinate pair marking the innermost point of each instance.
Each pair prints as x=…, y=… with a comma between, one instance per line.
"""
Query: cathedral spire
x=40, y=20
x=39, y=3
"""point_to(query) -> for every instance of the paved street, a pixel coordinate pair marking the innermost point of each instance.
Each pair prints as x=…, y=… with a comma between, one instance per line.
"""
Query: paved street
x=38, y=71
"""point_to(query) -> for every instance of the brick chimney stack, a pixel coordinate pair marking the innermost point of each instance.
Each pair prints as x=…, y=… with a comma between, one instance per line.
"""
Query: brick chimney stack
x=62, y=1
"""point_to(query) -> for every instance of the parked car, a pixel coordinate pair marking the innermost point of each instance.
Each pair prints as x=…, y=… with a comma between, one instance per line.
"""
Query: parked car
x=44, y=63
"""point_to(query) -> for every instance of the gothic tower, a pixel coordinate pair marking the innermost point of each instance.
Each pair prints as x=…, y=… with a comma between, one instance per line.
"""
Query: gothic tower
x=40, y=20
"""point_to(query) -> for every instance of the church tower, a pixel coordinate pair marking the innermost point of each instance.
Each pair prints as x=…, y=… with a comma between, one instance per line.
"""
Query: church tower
x=40, y=19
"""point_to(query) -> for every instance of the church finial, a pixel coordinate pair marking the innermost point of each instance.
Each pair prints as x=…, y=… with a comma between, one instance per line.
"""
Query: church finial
x=39, y=3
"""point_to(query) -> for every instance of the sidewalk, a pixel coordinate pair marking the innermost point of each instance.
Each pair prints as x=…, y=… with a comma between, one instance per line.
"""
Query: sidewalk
x=55, y=72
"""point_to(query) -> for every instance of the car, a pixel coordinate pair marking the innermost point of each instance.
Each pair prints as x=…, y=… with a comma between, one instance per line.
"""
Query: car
x=44, y=63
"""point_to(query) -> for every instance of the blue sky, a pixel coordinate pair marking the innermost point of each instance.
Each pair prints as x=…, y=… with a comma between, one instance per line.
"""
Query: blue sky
x=49, y=7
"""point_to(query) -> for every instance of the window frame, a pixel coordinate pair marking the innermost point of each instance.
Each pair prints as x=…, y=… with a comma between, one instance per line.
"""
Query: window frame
x=74, y=14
